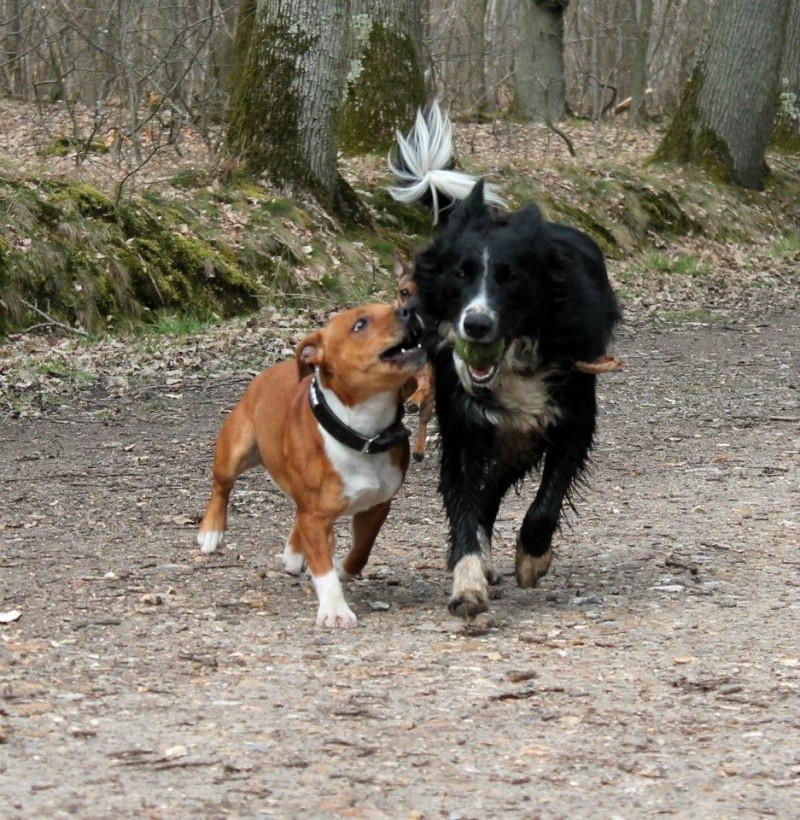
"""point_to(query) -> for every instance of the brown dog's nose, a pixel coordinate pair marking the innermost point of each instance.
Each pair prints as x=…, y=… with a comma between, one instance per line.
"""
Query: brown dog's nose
x=408, y=315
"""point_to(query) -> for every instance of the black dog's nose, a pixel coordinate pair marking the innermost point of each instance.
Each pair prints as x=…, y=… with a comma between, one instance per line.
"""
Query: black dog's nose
x=478, y=327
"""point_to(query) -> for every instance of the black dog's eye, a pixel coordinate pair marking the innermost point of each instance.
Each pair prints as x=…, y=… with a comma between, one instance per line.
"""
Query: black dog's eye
x=360, y=325
x=466, y=270
x=405, y=293
x=504, y=273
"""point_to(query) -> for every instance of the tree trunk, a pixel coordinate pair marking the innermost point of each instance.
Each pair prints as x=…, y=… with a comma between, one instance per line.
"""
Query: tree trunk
x=540, y=87
x=639, y=62
x=283, y=120
x=787, y=124
x=725, y=117
x=384, y=85
x=476, y=54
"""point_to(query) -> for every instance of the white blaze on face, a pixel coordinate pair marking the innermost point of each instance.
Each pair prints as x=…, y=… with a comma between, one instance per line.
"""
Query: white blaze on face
x=480, y=302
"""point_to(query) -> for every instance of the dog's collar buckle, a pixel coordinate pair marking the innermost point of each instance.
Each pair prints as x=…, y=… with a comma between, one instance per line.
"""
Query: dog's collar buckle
x=332, y=424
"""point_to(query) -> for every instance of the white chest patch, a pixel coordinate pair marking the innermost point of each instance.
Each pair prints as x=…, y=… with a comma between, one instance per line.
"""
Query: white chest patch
x=368, y=478
x=521, y=388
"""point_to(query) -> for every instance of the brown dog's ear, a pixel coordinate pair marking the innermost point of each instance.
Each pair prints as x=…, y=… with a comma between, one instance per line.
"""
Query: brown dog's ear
x=309, y=354
x=400, y=269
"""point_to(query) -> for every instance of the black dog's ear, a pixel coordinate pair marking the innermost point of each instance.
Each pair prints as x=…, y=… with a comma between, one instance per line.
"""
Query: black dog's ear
x=471, y=209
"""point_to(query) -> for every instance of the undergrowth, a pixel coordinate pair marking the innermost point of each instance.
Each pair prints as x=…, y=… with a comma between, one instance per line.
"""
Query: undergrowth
x=193, y=252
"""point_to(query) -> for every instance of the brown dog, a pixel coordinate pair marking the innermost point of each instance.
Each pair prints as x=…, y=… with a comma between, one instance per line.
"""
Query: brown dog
x=422, y=397
x=327, y=428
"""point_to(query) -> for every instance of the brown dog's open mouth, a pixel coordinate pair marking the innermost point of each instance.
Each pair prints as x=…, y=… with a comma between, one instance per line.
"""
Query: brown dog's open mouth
x=408, y=352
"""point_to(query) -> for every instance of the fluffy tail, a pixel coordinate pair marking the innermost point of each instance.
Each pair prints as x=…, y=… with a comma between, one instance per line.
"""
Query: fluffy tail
x=423, y=164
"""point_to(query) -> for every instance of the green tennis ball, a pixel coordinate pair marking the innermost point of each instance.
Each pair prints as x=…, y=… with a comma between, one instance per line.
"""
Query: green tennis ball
x=476, y=354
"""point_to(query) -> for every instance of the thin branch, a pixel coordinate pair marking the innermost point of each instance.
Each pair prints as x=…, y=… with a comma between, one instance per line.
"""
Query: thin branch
x=51, y=320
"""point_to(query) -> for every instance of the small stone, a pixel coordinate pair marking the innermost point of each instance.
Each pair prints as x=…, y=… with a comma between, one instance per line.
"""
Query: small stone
x=174, y=752
x=378, y=606
x=151, y=599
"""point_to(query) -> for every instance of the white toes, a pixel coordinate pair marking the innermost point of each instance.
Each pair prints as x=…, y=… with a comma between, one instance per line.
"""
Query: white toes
x=210, y=540
x=333, y=610
x=338, y=619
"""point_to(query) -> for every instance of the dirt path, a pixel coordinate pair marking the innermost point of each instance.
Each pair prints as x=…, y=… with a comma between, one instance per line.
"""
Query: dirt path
x=656, y=671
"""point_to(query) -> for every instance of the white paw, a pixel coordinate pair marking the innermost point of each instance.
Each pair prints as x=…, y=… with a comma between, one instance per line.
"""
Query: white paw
x=470, y=591
x=209, y=541
x=338, y=617
x=293, y=562
x=333, y=611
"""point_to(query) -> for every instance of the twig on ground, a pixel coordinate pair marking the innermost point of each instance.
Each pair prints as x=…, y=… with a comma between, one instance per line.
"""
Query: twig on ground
x=51, y=320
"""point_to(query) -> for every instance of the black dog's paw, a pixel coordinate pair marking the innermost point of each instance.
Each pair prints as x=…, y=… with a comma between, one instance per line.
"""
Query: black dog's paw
x=530, y=568
x=469, y=604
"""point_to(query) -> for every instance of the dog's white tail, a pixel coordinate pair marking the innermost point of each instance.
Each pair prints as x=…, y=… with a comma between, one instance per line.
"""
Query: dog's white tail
x=423, y=165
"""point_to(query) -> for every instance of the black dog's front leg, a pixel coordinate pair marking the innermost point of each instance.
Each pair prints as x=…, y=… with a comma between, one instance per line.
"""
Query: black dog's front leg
x=566, y=454
x=460, y=485
x=462, y=478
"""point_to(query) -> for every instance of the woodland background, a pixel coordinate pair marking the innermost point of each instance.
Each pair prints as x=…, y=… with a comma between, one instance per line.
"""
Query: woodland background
x=164, y=156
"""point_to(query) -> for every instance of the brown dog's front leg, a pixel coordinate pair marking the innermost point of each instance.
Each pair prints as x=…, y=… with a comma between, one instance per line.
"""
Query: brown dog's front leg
x=313, y=537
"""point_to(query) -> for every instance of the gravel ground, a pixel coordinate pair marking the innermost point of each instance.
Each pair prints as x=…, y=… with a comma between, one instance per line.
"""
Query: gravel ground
x=656, y=671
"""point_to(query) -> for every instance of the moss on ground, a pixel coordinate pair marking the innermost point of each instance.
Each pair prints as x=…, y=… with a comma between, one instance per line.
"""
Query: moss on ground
x=68, y=250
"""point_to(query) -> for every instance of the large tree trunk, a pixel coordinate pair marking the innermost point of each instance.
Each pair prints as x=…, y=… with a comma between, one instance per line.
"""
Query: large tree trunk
x=642, y=11
x=728, y=108
x=384, y=85
x=283, y=120
x=476, y=54
x=787, y=125
x=540, y=87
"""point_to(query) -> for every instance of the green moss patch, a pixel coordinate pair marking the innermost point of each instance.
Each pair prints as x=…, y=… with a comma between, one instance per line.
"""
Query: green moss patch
x=70, y=252
x=384, y=87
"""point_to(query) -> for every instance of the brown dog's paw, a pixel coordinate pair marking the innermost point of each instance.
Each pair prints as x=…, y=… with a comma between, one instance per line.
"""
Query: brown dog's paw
x=529, y=568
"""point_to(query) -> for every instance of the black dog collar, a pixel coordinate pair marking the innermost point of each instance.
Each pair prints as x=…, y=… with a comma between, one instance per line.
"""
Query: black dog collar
x=380, y=443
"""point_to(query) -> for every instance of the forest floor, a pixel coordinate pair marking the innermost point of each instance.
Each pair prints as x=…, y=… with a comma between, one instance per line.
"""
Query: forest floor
x=656, y=671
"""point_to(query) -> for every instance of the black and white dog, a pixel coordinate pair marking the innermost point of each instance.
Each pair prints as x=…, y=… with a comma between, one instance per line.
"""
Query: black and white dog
x=511, y=303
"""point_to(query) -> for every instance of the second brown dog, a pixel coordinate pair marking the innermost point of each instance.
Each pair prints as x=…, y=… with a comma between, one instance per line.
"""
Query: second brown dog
x=423, y=395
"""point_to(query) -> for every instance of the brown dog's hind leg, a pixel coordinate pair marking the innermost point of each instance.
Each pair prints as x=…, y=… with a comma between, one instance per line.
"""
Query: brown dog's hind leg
x=425, y=414
x=366, y=526
x=236, y=451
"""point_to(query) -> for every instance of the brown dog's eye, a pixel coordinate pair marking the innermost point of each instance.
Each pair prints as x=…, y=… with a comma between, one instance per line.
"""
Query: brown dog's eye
x=359, y=325
x=405, y=293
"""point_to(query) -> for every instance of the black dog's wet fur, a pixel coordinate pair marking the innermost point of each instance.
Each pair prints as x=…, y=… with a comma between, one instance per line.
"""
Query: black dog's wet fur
x=548, y=282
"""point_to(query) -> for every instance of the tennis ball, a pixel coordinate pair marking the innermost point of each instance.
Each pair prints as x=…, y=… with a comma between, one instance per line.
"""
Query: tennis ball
x=476, y=354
